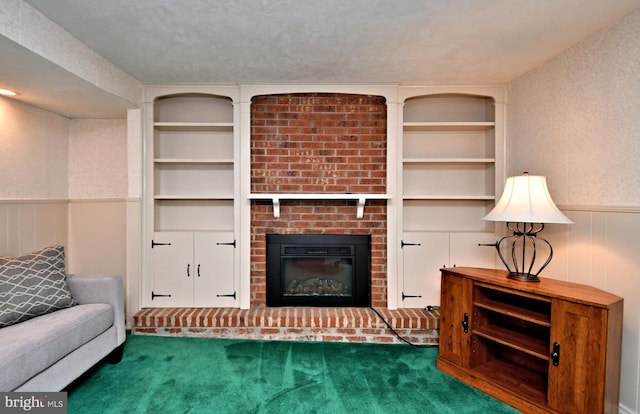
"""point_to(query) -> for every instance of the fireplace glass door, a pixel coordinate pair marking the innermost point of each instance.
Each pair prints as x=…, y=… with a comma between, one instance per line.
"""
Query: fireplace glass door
x=317, y=276
x=317, y=271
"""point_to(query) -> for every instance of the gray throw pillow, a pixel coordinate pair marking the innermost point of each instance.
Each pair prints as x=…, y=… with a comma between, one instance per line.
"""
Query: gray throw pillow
x=32, y=285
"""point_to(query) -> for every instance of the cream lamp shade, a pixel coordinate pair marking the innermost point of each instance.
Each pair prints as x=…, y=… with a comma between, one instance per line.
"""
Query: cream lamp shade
x=526, y=199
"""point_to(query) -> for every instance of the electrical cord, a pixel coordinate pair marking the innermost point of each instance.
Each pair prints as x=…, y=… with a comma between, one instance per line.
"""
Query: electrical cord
x=397, y=335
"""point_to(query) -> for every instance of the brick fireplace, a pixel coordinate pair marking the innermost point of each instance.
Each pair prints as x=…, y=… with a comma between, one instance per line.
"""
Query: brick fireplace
x=318, y=143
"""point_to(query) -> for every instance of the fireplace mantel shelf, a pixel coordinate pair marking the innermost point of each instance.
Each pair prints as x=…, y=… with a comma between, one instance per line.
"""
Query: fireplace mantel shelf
x=276, y=197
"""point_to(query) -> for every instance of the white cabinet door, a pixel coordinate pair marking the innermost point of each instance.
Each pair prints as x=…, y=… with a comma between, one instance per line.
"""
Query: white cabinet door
x=172, y=269
x=423, y=254
x=214, y=271
x=466, y=252
x=193, y=269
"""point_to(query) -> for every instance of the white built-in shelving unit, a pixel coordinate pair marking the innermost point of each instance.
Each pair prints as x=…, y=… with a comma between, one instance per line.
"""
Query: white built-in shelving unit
x=193, y=163
x=450, y=144
x=192, y=182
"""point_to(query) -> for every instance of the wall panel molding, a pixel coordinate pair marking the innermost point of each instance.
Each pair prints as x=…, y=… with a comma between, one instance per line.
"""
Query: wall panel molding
x=27, y=225
x=604, y=209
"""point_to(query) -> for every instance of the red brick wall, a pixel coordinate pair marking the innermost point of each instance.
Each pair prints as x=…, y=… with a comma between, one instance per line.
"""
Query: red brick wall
x=318, y=143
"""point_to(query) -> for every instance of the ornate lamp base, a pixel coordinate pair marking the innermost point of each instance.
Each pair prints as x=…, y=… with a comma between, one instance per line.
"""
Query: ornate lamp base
x=521, y=248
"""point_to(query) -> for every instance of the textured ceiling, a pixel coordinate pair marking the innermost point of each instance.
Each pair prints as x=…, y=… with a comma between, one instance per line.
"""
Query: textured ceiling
x=331, y=41
x=348, y=41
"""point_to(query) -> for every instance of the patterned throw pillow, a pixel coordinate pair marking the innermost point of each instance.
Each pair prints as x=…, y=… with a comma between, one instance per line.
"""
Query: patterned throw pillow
x=32, y=285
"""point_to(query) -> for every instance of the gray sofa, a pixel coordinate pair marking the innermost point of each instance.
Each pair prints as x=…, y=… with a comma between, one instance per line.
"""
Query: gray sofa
x=48, y=352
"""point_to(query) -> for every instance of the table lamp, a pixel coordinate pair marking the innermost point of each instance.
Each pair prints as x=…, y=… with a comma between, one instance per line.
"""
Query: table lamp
x=525, y=206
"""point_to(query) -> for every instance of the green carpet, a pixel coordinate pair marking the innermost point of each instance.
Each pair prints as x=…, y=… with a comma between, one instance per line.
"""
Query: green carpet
x=206, y=375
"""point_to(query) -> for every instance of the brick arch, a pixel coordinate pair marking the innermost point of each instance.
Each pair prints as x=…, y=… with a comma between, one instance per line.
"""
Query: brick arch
x=319, y=143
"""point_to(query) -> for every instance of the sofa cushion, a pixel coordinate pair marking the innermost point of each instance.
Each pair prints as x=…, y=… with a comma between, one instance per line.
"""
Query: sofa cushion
x=33, y=284
x=30, y=347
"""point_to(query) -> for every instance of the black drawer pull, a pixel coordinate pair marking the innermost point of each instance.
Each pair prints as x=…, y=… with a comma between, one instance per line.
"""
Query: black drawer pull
x=465, y=323
x=555, y=355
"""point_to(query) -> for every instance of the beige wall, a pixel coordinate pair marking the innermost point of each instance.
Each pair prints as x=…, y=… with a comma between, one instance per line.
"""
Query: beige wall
x=575, y=120
x=33, y=152
x=98, y=159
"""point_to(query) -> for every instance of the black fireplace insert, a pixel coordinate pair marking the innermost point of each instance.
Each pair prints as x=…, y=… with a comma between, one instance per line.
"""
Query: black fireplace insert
x=318, y=270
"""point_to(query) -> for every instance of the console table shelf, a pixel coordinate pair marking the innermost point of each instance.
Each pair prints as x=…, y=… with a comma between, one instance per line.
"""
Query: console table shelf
x=275, y=199
x=547, y=347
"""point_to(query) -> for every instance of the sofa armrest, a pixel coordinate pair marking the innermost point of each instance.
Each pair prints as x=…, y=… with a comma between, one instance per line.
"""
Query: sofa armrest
x=101, y=288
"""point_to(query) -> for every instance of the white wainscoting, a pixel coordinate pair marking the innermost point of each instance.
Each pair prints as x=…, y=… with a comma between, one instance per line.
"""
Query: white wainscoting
x=92, y=231
x=100, y=235
x=102, y=239
x=27, y=225
x=97, y=236
x=602, y=249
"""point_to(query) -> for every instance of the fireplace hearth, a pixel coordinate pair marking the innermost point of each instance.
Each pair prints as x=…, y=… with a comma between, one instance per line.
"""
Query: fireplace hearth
x=318, y=270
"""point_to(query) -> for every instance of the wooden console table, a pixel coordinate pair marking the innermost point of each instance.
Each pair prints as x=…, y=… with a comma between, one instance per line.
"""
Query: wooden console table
x=547, y=347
